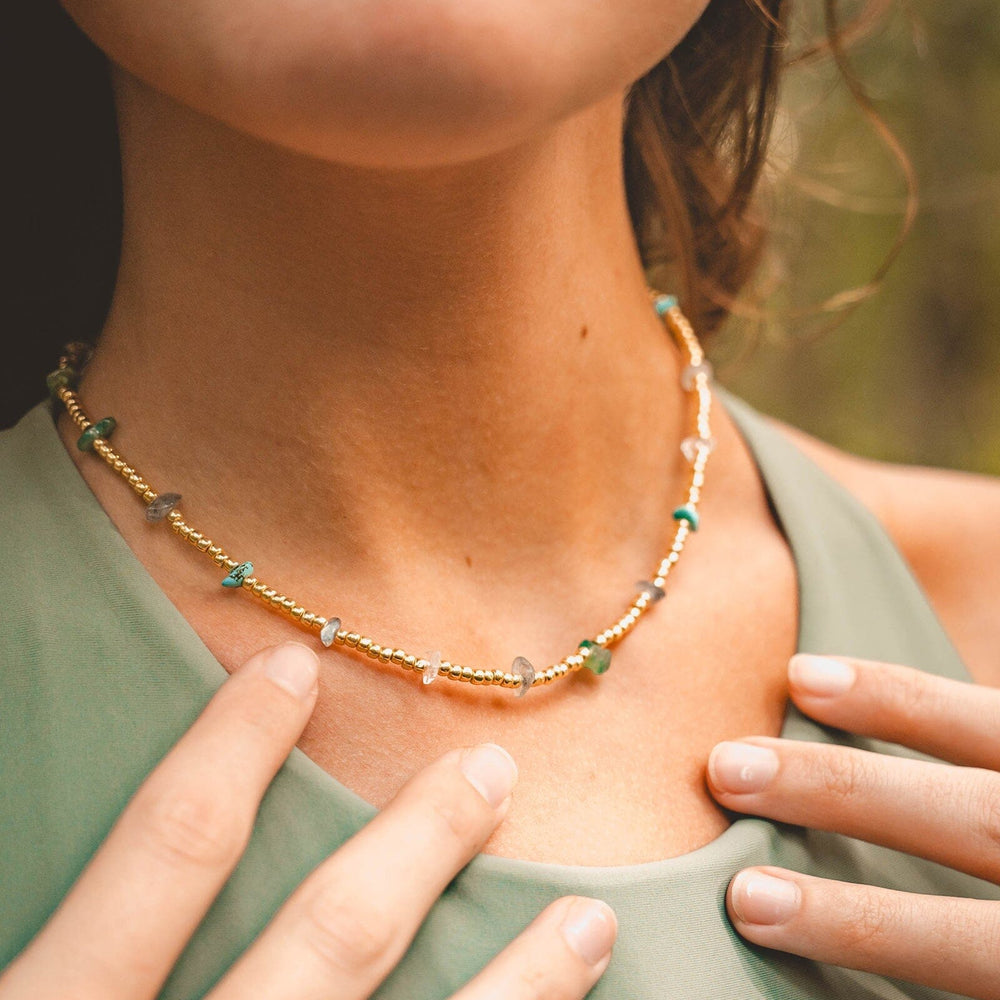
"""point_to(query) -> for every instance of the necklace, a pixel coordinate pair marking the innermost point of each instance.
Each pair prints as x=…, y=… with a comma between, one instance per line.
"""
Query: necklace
x=592, y=653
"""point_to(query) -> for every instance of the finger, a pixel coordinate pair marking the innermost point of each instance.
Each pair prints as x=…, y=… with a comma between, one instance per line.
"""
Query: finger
x=936, y=811
x=559, y=956
x=122, y=927
x=936, y=941
x=348, y=924
x=953, y=720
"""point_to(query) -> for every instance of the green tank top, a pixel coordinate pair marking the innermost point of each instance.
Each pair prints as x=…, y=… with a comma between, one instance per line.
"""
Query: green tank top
x=101, y=675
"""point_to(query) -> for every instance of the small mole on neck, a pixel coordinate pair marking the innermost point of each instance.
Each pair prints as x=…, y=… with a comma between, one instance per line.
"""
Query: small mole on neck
x=583, y=332
x=468, y=560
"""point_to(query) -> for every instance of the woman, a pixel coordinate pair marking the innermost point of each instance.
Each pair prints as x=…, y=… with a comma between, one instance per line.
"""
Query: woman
x=382, y=318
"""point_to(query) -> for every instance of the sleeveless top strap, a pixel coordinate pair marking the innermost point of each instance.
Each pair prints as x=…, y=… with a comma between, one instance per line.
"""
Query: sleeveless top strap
x=857, y=594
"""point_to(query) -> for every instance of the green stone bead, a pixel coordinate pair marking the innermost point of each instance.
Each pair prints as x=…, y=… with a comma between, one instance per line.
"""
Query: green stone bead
x=102, y=429
x=598, y=658
x=689, y=514
x=61, y=377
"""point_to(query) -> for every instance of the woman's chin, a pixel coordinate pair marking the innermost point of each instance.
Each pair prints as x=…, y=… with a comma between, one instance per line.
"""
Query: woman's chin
x=383, y=85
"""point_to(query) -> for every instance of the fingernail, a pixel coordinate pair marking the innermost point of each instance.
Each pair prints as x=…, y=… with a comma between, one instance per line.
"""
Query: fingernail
x=293, y=667
x=589, y=928
x=820, y=676
x=764, y=899
x=491, y=771
x=742, y=767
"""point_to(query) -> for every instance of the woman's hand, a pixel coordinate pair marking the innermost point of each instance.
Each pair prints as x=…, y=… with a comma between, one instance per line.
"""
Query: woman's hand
x=937, y=811
x=124, y=923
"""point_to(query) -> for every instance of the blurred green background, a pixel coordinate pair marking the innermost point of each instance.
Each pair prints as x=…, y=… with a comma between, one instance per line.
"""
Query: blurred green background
x=913, y=373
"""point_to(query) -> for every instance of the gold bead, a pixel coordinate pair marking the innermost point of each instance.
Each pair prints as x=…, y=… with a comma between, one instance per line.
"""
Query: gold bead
x=479, y=677
x=409, y=661
x=386, y=654
x=374, y=650
x=353, y=638
x=467, y=673
x=309, y=618
x=364, y=644
x=297, y=612
x=488, y=676
x=398, y=655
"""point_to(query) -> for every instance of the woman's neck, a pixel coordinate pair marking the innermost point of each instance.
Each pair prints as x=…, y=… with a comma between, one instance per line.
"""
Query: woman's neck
x=456, y=367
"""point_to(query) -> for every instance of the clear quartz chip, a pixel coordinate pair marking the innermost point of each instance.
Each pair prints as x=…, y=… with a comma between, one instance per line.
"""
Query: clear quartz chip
x=522, y=665
x=329, y=631
x=691, y=372
x=433, y=667
x=690, y=447
x=159, y=508
x=651, y=591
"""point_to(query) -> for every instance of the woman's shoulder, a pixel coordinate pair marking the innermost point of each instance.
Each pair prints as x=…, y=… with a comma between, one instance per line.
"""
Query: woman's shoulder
x=947, y=526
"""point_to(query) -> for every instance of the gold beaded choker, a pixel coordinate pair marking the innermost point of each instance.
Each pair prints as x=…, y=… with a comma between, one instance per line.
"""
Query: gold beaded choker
x=593, y=653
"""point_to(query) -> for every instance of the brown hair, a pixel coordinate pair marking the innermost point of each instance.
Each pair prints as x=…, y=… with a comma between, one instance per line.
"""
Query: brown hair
x=696, y=138
x=696, y=134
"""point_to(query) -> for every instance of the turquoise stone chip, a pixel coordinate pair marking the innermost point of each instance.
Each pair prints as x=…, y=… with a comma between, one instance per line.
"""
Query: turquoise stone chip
x=689, y=514
x=102, y=429
x=664, y=303
x=598, y=658
x=238, y=575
